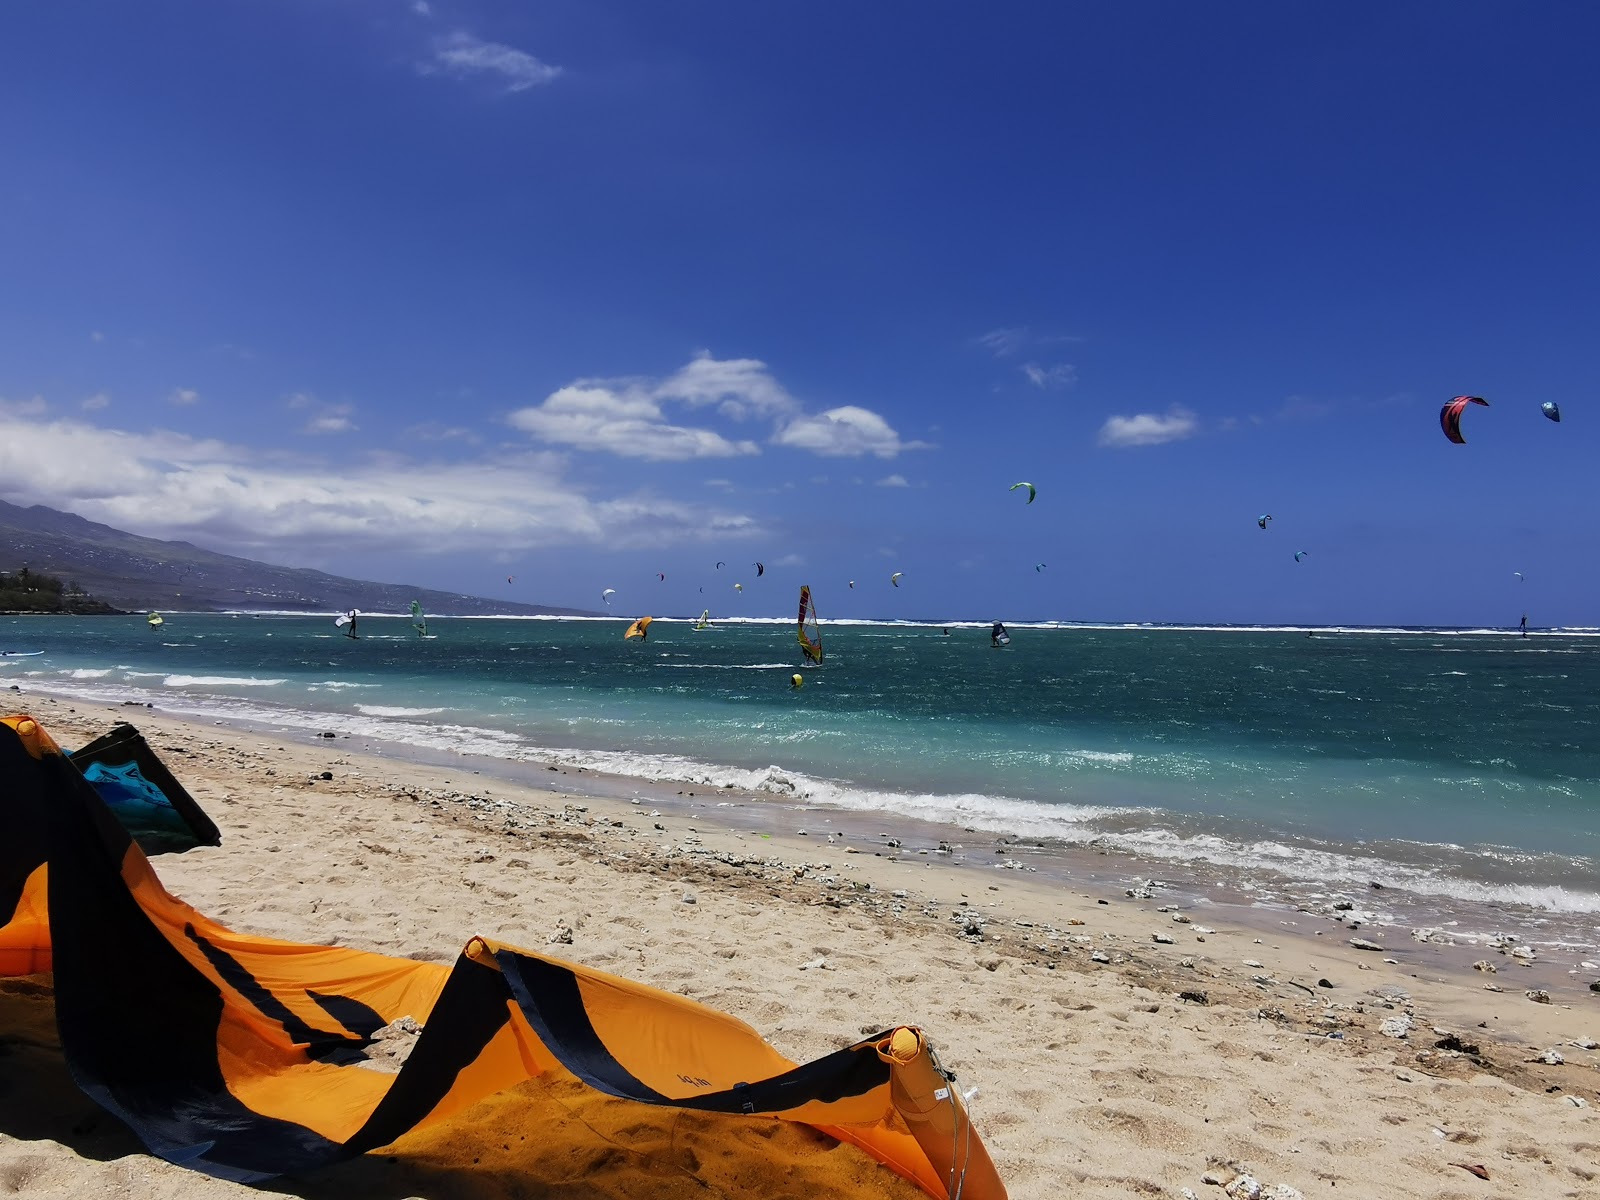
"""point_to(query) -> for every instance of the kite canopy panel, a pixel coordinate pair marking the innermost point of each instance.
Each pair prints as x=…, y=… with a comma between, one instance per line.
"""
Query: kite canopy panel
x=244, y=1057
x=1450, y=416
x=142, y=794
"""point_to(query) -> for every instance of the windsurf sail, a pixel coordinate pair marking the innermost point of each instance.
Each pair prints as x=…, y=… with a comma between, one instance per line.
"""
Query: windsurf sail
x=155, y=620
x=418, y=621
x=705, y=620
x=809, y=632
x=998, y=635
x=639, y=629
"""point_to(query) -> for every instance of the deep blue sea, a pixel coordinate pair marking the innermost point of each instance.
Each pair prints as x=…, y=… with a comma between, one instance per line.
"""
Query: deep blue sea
x=1458, y=766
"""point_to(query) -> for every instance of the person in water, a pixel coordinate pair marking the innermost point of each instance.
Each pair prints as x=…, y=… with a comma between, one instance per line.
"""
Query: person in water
x=1524, y=625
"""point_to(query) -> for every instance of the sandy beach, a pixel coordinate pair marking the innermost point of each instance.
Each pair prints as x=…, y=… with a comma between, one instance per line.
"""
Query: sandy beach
x=1121, y=1045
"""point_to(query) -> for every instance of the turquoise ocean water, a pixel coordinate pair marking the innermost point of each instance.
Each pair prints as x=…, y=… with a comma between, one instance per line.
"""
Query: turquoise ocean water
x=1459, y=768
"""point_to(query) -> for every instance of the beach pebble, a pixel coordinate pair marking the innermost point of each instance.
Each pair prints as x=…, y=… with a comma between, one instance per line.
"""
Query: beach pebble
x=1246, y=1187
x=1395, y=1027
x=326, y=735
x=1363, y=944
x=816, y=964
x=1577, y=1102
x=1551, y=1058
x=1584, y=1043
x=1483, y=964
x=1186, y=962
x=1163, y=938
x=1181, y=919
x=1100, y=956
x=1538, y=995
x=690, y=898
x=1250, y=962
x=1595, y=986
x=1188, y=1194
x=1324, y=983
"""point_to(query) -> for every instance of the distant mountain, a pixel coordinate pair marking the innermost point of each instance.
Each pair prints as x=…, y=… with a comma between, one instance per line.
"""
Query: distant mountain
x=135, y=572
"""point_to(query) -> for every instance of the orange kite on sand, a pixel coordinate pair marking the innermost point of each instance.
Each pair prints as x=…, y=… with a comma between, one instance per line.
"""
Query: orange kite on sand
x=246, y=1057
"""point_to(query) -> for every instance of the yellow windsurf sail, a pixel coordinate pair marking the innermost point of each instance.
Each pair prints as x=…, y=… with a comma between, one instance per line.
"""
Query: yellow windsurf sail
x=809, y=632
x=705, y=620
x=639, y=629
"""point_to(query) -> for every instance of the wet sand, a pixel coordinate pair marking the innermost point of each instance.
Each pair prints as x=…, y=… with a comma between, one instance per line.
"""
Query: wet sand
x=1110, y=1060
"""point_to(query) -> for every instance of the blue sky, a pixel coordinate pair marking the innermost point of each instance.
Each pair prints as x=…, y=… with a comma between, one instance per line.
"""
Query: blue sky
x=580, y=292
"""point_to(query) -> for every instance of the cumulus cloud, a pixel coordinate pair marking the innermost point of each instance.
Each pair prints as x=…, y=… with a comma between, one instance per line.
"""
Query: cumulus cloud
x=1061, y=375
x=1150, y=429
x=739, y=387
x=896, y=481
x=167, y=484
x=622, y=418
x=845, y=432
x=97, y=401
x=184, y=396
x=464, y=56
x=627, y=417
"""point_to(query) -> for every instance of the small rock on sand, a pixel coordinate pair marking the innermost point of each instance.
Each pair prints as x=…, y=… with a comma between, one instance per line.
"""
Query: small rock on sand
x=1538, y=995
x=1363, y=944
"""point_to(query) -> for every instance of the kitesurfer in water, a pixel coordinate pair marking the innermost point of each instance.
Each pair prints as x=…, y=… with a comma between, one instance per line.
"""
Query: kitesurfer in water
x=1524, y=625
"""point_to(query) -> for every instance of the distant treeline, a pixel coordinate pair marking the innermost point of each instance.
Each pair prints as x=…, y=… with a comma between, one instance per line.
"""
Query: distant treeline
x=28, y=591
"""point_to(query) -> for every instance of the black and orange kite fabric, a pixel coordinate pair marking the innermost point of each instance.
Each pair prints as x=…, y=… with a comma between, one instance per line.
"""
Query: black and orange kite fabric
x=237, y=1055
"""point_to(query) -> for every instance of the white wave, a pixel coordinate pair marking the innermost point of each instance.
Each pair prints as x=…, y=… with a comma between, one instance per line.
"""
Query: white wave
x=1328, y=866
x=336, y=685
x=221, y=681
x=88, y=673
x=731, y=666
x=1109, y=758
x=384, y=710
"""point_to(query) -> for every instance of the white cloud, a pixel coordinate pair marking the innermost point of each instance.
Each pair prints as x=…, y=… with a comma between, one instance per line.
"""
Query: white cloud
x=420, y=7
x=97, y=401
x=623, y=418
x=739, y=387
x=627, y=417
x=1061, y=375
x=33, y=406
x=330, y=423
x=184, y=396
x=1003, y=343
x=895, y=481
x=299, y=399
x=845, y=432
x=1150, y=429
x=97, y=336
x=462, y=55
x=171, y=485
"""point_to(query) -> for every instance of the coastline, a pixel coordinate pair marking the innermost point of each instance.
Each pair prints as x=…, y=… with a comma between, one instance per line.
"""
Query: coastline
x=1094, y=1071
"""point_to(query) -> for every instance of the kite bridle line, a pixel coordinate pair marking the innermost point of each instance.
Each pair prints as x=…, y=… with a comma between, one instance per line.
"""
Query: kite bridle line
x=955, y=1185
